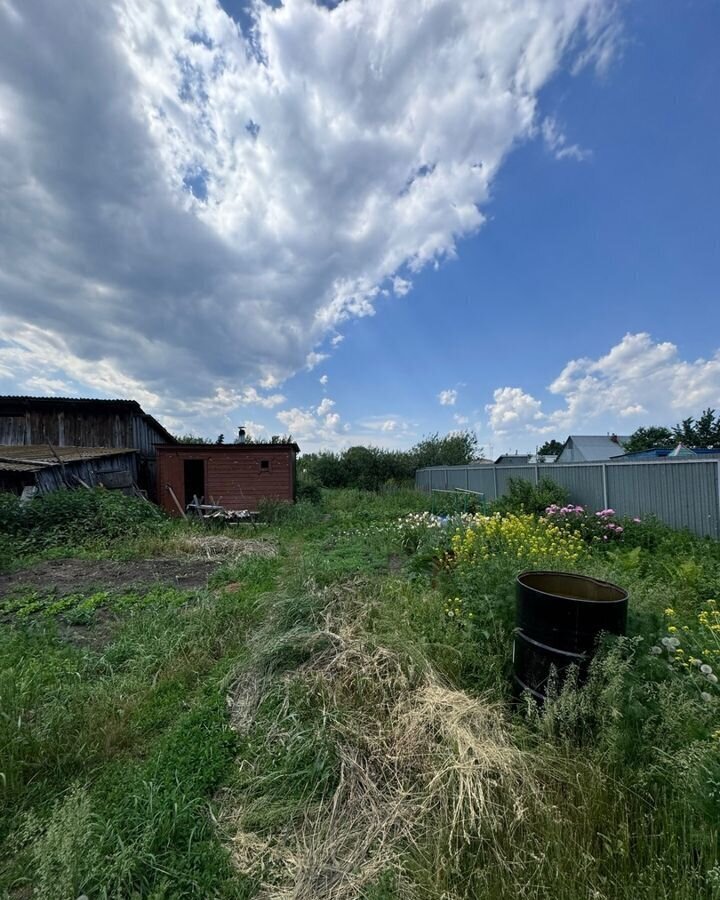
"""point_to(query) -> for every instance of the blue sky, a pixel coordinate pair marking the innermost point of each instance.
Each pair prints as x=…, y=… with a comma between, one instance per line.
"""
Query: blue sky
x=521, y=239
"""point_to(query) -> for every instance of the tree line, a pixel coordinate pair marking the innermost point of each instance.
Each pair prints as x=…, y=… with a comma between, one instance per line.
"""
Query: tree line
x=700, y=433
x=371, y=468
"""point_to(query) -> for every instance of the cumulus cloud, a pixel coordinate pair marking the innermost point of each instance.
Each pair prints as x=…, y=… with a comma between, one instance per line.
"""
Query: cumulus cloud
x=512, y=408
x=189, y=208
x=448, y=398
x=323, y=379
x=255, y=429
x=639, y=381
x=299, y=422
x=316, y=427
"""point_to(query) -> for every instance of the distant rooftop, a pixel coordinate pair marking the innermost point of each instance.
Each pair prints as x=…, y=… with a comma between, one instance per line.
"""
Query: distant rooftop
x=591, y=447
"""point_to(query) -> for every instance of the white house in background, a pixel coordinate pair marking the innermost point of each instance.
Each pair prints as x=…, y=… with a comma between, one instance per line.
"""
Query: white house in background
x=579, y=448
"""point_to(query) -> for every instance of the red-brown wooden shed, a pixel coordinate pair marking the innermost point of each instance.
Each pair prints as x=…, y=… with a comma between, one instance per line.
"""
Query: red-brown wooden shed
x=236, y=476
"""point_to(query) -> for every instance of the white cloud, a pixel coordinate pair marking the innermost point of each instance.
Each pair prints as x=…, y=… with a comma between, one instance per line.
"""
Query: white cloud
x=314, y=359
x=401, y=286
x=315, y=427
x=208, y=209
x=448, y=398
x=323, y=379
x=639, y=381
x=255, y=429
x=511, y=408
x=461, y=420
x=337, y=339
x=299, y=422
x=557, y=142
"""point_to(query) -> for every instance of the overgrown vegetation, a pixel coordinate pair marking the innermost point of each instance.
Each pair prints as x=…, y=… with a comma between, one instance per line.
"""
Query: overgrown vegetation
x=334, y=719
x=371, y=468
x=72, y=519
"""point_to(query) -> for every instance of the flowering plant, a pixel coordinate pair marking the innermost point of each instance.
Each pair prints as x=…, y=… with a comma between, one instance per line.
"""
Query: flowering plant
x=422, y=528
x=531, y=540
x=693, y=647
x=601, y=527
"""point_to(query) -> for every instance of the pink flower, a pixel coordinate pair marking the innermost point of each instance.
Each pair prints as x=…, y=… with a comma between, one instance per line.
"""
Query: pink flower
x=638, y=521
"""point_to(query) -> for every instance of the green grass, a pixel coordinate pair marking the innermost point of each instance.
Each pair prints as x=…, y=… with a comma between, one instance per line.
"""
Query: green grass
x=124, y=772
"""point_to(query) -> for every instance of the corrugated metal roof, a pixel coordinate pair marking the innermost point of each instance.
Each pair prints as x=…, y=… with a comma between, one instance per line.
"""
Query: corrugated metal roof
x=593, y=447
x=6, y=466
x=23, y=398
x=32, y=457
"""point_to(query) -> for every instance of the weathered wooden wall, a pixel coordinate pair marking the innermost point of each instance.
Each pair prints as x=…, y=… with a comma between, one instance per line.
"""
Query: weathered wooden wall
x=84, y=423
x=77, y=429
x=117, y=472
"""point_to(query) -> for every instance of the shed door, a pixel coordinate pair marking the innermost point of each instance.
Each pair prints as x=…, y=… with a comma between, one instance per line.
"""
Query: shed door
x=194, y=473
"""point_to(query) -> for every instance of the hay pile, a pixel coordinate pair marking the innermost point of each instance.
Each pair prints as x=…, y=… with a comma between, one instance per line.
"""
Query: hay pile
x=424, y=771
x=216, y=546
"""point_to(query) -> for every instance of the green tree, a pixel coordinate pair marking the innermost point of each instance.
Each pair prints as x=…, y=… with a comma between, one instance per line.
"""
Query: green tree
x=369, y=468
x=455, y=449
x=647, y=438
x=193, y=439
x=705, y=432
x=551, y=448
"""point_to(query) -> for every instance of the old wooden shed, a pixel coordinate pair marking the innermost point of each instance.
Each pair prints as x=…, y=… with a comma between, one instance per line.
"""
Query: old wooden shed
x=236, y=476
x=46, y=469
x=89, y=423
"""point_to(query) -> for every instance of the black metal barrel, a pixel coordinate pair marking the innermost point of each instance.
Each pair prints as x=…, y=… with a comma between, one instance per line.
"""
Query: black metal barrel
x=559, y=618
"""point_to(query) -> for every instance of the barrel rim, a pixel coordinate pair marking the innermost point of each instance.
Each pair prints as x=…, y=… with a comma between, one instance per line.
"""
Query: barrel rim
x=598, y=581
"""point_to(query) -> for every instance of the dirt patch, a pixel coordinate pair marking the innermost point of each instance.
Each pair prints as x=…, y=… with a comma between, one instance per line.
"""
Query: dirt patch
x=395, y=563
x=81, y=576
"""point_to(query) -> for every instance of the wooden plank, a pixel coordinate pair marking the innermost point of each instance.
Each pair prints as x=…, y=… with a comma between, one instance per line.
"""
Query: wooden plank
x=176, y=501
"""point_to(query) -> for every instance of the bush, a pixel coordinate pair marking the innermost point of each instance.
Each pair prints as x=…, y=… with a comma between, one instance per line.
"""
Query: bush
x=309, y=492
x=74, y=517
x=525, y=497
x=603, y=527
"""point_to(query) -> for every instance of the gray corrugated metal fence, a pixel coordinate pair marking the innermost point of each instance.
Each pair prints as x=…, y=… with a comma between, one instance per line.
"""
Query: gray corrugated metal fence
x=682, y=493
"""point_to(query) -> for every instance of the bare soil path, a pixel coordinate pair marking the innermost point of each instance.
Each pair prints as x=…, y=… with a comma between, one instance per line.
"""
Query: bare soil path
x=85, y=576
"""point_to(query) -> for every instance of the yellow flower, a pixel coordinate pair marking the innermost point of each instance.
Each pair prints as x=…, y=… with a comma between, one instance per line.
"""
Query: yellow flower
x=669, y=611
x=672, y=629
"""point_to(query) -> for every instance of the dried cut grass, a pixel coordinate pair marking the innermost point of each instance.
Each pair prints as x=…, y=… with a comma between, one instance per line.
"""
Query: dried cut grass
x=216, y=546
x=424, y=771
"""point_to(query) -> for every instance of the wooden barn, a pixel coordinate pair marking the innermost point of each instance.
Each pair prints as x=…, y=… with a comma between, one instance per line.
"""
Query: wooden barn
x=235, y=476
x=53, y=422
x=45, y=469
